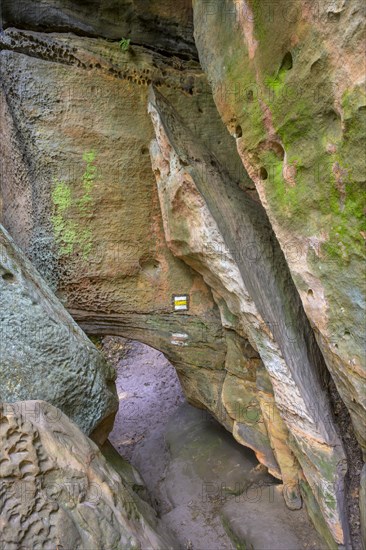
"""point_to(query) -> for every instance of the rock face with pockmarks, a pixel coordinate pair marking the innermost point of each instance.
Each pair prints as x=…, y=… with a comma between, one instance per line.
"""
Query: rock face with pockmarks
x=289, y=83
x=58, y=491
x=249, y=204
x=159, y=24
x=80, y=197
x=44, y=354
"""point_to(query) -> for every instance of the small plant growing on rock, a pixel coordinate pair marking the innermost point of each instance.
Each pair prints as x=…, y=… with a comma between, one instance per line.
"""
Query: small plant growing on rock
x=124, y=44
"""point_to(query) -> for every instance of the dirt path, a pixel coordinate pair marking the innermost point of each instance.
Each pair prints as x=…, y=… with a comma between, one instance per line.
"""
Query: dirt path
x=203, y=484
x=150, y=395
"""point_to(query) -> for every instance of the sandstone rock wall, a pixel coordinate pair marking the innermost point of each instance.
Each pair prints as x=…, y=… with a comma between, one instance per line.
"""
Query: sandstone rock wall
x=215, y=207
x=79, y=192
x=288, y=81
x=57, y=490
x=162, y=25
x=104, y=250
x=44, y=354
x=79, y=197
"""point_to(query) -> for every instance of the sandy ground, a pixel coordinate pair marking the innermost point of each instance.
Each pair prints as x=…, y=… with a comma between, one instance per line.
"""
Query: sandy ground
x=150, y=394
x=185, y=458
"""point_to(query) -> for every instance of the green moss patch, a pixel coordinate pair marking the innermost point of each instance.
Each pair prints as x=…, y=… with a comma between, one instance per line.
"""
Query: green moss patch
x=69, y=213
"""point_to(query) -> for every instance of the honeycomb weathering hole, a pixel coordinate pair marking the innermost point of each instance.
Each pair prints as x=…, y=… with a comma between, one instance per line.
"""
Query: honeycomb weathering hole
x=238, y=131
x=287, y=62
x=263, y=174
x=9, y=277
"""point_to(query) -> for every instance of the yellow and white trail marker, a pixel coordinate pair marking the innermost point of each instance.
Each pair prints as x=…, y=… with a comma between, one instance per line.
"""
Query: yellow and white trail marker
x=180, y=302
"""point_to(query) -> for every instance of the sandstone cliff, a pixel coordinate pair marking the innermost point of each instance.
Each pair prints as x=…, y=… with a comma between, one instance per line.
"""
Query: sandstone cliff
x=238, y=182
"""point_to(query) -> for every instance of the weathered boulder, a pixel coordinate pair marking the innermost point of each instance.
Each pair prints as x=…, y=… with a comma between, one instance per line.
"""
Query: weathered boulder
x=288, y=81
x=44, y=354
x=58, y=491
x=203, y=208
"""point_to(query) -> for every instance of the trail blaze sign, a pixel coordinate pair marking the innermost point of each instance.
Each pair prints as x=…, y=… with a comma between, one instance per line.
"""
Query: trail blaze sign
x=179, y=339
x=180, y=302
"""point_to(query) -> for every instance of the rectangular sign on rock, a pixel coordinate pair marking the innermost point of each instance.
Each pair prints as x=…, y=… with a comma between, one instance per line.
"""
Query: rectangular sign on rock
x=180, y=302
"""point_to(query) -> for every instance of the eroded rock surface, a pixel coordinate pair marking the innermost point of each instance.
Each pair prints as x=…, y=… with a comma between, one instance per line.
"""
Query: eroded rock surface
x=44, y=354
x=80, y=197
x=289, y=83
x=163, y=25
x=58, y=491
x=198, y=198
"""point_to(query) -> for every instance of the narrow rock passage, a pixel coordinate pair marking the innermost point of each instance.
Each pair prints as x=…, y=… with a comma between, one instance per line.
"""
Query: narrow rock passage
x=210, y=492
x=149, y=393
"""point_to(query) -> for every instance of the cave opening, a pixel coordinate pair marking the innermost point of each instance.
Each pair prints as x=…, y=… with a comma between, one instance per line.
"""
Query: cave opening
x=149, y=392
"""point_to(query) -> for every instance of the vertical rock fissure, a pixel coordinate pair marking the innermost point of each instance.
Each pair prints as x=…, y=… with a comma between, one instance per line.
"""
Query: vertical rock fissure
x=353, y=452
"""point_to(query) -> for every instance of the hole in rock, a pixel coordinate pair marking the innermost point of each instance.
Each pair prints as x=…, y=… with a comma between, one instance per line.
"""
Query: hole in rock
x=317, y=66
x=277, y=149
x=310, y=292
x=333, y=124
x=332, y=115
x=287, y=62
x=263, y=174
x=148, y=389
x=150, y=267
x=334, y=15
x=238, y=132
x=7, y=276
x=197, y=477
